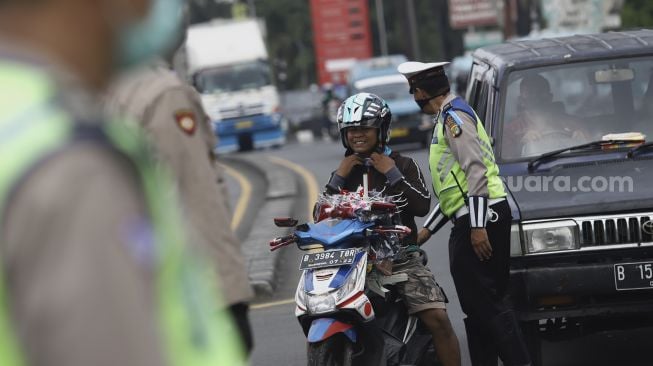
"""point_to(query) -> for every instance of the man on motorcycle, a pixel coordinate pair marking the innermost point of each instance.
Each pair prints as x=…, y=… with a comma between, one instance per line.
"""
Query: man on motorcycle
x=364, y=123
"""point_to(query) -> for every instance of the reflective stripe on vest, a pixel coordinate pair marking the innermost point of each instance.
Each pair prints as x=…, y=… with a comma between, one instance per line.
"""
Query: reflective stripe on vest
x=32, y=127
x=449, y=180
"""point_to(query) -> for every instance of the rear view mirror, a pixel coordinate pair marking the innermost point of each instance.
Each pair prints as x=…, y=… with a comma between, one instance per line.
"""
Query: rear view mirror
x=285, y=222
x=613, y=75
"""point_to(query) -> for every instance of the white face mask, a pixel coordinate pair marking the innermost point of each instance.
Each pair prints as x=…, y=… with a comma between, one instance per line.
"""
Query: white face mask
x=154, y=35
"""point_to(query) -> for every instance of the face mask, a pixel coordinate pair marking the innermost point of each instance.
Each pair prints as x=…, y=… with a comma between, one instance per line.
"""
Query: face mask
x=422, y=103
x=151, y=36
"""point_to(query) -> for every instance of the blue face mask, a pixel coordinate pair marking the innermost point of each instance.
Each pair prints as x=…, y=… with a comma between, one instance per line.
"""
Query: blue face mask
x=152, y=36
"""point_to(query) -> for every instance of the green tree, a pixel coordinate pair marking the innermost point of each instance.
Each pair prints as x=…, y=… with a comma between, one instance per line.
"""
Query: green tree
x=637, y=13
x=290, y=40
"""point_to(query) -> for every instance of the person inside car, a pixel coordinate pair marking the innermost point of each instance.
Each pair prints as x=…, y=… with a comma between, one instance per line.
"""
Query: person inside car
x=540, y=123
x=364, y=123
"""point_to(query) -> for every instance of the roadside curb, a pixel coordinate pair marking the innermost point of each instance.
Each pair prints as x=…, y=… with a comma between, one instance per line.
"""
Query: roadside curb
x=283, y=190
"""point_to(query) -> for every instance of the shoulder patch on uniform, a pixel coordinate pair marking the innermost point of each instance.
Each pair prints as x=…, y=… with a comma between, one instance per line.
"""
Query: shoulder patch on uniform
x=454, y=128
x=187, y=121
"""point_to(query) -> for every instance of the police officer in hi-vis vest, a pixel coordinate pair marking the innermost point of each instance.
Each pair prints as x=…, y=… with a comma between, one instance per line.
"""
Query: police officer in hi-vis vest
x=171, y=114
x=94, y=269
x=472, y=196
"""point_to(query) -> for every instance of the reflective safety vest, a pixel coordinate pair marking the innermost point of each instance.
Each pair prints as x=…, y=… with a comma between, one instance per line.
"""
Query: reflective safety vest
x=449, y=180
x=197, y=329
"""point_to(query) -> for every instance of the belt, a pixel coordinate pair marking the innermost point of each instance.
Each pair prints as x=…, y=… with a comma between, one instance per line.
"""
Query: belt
x=465, y=210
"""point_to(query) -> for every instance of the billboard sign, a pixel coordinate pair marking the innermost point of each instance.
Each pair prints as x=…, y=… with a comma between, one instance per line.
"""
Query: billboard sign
x=472, y=13
x=341, y=31
x=583, y=15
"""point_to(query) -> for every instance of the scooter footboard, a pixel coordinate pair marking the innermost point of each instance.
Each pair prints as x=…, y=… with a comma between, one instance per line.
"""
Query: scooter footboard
x=324, y=328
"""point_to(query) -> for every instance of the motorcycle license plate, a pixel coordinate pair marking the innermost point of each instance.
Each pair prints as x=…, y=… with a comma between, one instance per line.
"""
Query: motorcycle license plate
x=633, y=276
x=331, y=258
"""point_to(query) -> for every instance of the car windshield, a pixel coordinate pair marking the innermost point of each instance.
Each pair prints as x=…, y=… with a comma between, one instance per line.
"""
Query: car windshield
x=233, y=78
x=546, y=109
x=393, y=91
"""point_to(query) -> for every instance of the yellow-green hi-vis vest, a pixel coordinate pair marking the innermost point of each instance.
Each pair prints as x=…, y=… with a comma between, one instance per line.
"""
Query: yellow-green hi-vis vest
x=197, y=329
x=449, y=180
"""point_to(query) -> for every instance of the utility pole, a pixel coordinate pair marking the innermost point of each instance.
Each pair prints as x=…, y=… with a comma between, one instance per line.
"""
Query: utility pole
x=252, y=8
x=380, y=22
x=412, y=26
x=509, y=9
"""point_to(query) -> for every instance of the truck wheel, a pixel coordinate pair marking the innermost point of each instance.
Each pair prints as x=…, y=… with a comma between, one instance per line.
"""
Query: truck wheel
x=333, y=351
x=246, y=142
x=531, y=331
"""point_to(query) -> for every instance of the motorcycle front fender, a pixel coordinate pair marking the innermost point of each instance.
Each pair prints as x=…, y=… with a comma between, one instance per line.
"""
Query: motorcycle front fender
x=324, y=328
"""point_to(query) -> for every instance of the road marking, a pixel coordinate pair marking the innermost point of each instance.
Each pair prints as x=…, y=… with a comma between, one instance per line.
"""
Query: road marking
x=272, y=304
x=309, y=179
x=243, y=199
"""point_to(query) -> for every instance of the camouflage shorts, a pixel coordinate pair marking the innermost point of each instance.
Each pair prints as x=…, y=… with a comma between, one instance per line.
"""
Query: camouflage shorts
x=420, y=292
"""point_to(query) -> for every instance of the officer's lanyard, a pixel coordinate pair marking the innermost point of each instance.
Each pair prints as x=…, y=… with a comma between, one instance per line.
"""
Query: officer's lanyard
x=465, y=198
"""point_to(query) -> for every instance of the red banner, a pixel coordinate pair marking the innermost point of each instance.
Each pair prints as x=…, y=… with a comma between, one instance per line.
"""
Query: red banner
x=341, y=30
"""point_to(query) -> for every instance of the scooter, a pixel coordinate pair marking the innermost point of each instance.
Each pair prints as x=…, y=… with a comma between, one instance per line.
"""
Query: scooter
x=345, y=305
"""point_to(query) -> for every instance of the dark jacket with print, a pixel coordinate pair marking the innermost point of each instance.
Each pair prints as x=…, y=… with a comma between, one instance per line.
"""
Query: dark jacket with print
x=413, y=197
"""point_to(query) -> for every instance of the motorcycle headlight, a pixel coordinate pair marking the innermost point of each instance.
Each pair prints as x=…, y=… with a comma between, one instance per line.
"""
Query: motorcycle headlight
x=318, y=304
x=348, y=287
x=324, y=303
x=551, y=236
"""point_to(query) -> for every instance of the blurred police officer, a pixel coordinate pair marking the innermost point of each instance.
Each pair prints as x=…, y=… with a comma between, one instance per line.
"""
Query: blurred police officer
x=93, y=271
x=171, y=113
x=471, y=194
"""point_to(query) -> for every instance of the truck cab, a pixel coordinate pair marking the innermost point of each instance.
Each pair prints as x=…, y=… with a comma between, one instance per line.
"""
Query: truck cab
x=578, y=168
x=228, y=64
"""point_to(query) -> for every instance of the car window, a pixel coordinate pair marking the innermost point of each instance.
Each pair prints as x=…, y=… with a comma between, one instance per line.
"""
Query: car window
x=233, y=78
x=545, y=109
x=481, y=104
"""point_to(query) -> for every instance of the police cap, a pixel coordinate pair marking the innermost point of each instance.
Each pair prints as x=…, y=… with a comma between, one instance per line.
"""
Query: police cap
x=430, y=76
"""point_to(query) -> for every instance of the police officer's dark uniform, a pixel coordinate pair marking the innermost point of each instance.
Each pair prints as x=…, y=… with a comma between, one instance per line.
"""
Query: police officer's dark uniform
x=472, y=196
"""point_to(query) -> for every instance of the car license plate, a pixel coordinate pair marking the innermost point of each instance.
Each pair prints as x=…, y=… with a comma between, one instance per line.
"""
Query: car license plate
x=633, y=276
x=331, y=258
x=244, y=124
x=399, y=132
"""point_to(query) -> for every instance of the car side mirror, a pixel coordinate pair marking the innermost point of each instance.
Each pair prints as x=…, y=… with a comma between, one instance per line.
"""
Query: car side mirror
x=285, y=222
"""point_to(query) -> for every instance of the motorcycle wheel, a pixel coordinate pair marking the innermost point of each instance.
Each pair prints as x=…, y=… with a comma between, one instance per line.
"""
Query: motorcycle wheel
x=333, y=351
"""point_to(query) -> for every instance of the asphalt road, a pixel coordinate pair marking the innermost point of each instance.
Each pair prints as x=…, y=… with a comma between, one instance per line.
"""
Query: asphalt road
x=280, y=341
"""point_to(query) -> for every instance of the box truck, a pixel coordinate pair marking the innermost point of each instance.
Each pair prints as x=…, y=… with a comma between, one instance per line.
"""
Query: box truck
x=227, y=62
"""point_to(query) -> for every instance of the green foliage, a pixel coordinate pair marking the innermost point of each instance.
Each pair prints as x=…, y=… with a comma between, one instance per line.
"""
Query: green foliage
x=637, y=13
x=290, y=40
